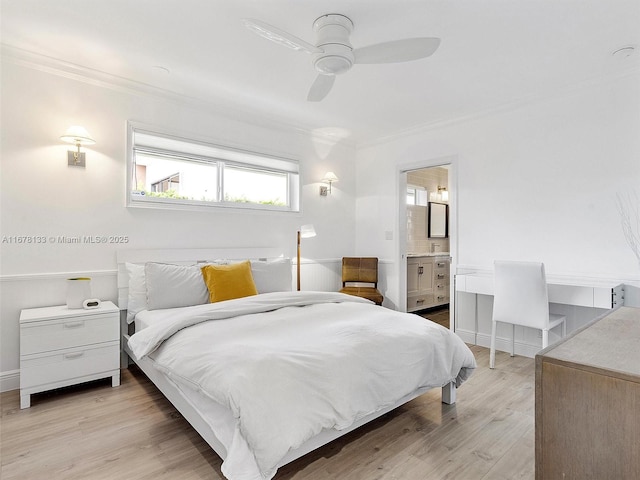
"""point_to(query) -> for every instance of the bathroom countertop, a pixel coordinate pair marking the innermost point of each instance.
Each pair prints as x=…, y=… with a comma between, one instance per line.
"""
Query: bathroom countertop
x=428, y=254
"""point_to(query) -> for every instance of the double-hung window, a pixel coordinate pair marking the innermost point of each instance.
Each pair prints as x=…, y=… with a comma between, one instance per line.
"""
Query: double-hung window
x=166, y=171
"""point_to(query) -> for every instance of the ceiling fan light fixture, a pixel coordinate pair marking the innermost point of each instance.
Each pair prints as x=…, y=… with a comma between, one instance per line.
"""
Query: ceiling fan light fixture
x=336, y=59
x=333, y=64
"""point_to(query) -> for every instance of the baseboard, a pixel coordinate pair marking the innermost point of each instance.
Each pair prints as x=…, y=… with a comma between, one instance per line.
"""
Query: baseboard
x=467, y=336
x=9, y=380
x=504, y=345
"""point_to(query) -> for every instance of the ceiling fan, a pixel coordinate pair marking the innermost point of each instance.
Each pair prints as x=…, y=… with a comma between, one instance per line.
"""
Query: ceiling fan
x=333, y=53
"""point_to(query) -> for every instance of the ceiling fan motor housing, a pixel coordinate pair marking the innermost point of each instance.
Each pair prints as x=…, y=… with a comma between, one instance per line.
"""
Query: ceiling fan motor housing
x=333, y=32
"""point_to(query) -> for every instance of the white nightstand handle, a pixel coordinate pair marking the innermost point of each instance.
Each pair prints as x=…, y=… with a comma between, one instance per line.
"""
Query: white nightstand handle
x=73, y=324
x=69, y=356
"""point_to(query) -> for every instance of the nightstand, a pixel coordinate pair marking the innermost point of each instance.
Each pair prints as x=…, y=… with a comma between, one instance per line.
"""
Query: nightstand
x=61, y=346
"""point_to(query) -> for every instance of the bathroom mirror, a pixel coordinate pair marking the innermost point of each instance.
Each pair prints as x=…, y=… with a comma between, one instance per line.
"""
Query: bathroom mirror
x=438, y=220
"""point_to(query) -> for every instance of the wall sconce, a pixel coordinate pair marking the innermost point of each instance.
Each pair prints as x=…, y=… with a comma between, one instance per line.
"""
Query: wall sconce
x=329, y=178
x=443, y=193
x=441, y=196
x=79, y=136
x=306, y=231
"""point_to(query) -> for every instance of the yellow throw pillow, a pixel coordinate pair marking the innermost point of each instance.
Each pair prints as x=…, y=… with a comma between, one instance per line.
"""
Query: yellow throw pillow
x=226, y=282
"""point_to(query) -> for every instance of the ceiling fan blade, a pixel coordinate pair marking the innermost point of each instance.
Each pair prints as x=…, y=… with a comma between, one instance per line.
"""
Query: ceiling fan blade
x=397, y=50
x=321, y=87
x=279, y=36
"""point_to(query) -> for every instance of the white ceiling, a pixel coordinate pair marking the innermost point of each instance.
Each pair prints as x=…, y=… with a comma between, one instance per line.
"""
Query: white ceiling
x=493, y=53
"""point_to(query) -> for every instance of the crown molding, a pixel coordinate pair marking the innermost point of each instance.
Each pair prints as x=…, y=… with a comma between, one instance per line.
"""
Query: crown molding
x=102, y=79
x=565, y=91
x=218, y=106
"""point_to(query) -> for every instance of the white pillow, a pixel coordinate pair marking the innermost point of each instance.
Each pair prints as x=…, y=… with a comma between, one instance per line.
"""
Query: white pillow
x=272, y=276
x=172, y=286
x=137, y=300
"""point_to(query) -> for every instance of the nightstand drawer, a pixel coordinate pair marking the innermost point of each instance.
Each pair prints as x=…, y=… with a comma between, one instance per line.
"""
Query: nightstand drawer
x=68, y=364
x=57, y=334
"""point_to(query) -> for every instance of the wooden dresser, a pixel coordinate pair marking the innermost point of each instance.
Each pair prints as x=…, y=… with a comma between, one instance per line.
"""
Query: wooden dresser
x=588, y=402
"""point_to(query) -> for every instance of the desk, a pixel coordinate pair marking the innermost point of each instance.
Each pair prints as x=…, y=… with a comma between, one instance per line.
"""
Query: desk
x=580, y=299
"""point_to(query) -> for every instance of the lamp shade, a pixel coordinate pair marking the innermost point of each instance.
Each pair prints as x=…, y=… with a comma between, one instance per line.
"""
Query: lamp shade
x=307, y=231
x=78, y=135
x=330, y=177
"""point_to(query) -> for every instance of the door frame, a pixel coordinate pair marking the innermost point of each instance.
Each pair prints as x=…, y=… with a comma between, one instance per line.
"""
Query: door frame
x=401, y=244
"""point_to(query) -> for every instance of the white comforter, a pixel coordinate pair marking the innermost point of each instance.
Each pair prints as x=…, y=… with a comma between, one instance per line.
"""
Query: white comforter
x=291, y=364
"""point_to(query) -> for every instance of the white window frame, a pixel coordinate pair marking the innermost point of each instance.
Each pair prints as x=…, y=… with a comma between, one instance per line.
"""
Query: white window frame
x=151, y=141
x=420, y=197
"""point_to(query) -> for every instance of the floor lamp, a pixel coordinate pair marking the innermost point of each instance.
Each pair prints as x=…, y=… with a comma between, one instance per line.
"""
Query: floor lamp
x=306, y=231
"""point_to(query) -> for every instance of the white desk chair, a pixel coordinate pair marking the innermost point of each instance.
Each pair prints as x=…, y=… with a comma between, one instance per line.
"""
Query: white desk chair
x=520, y=298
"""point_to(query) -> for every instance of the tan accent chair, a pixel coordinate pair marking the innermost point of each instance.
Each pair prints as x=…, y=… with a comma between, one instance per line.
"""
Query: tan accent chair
x=361, y=270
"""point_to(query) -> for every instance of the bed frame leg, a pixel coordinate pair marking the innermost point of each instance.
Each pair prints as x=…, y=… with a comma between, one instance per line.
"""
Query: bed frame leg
x=449, y=393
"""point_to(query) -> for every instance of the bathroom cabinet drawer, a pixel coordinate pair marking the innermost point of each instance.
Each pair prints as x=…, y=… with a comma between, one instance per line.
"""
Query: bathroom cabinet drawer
x=419, y=302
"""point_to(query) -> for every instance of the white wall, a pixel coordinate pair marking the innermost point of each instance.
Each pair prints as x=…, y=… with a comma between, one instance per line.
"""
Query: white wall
x=537, y=181
x=42, y=196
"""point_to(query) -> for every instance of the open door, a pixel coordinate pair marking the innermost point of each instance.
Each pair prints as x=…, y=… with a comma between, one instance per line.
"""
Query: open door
x=427, y=243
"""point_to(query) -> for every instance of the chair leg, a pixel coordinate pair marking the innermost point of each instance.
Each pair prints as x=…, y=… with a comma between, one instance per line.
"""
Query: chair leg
x=513, y=340
x=492, y=352
x=545, y=338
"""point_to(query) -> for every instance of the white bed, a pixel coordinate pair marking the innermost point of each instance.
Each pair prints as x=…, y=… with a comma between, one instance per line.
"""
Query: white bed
x=219, y=401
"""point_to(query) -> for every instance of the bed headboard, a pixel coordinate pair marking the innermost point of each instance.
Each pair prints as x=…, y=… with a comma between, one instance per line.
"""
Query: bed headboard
x=188, y=256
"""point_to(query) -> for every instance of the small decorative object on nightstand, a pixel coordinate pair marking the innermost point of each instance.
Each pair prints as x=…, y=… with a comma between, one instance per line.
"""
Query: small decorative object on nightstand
x=78, y=290
x=61, y=346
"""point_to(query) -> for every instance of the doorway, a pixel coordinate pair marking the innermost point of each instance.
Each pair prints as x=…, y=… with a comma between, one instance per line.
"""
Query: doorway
x=427, y=255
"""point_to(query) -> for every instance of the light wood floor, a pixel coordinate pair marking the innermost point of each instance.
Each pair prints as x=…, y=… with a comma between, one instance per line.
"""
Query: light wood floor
x=439, y=315
x=98, y=432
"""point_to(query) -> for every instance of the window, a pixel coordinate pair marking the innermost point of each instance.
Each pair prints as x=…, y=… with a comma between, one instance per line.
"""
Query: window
x=170, y=183
x=171, y=172
x=411, y=196
x=416, y=195
x=267, y=188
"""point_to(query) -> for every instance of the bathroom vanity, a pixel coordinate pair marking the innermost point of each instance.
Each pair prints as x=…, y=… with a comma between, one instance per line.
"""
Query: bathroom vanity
x=427, y=280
